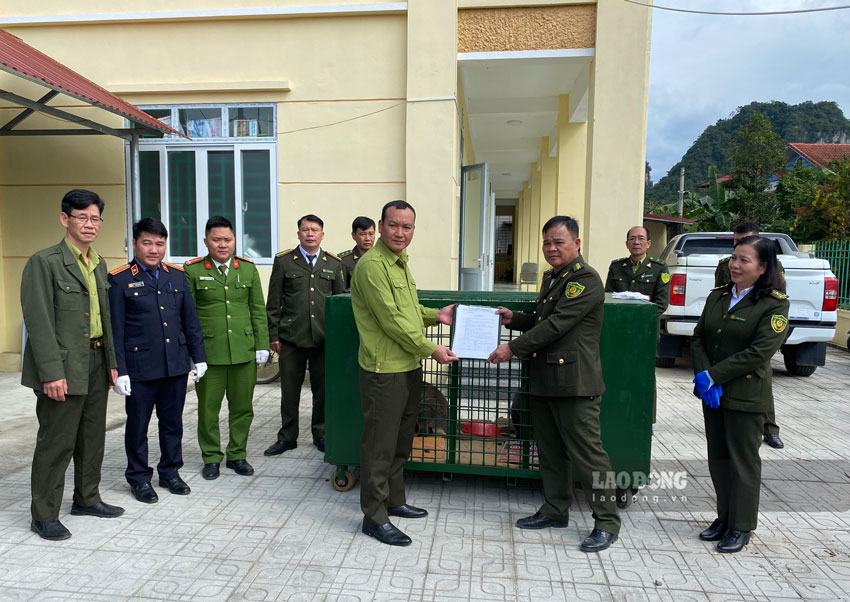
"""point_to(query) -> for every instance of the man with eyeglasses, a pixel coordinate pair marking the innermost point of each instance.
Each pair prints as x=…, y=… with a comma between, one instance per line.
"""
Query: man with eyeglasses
x=69, y=362
x=639, y=272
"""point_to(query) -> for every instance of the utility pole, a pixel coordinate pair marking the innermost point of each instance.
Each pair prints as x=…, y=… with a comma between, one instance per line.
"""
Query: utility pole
x=681, y=191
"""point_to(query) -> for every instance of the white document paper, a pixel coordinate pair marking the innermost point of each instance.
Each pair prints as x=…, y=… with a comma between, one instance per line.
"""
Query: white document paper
x=475, y=331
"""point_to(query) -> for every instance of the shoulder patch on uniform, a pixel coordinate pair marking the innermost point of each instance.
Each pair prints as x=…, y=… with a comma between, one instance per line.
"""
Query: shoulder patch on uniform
x=119, y=269
x=332, y=255
x=173, y=265
x=574, y=289
x=665, y=277
x=282, y=253
x=656, y=260
x=778, y=295
x=244, y=258
x=619, y=260
x=344, y=253
x=195, y=260
x=778, y=322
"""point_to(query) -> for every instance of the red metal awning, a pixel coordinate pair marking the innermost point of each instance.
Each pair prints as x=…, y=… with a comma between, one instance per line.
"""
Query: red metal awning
x=19, y=58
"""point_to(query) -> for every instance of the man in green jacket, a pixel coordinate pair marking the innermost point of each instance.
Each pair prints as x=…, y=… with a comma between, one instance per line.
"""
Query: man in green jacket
x=301, y=279
x=722, y=277
x=639, y=272
x=229, y=298
x=363, y=233
x=69, y=361
x=561, y=338
x=391, y=324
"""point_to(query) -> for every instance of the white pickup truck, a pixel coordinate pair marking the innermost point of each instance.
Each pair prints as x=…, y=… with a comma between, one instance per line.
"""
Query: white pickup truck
x=811, y=287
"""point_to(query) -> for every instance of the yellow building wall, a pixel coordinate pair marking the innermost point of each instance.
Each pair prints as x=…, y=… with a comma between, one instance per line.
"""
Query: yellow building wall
x=616, y=129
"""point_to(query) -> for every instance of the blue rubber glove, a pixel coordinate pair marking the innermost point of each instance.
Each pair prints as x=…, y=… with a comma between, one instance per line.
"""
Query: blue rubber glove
x=713, y=395
x=703, y=382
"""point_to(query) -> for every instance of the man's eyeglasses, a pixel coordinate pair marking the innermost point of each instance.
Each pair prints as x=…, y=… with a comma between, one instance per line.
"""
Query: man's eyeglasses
x=636, y=239
x=84, y=219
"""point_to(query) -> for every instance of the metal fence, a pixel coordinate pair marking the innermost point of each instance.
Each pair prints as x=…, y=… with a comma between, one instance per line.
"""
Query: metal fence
x=837, y=253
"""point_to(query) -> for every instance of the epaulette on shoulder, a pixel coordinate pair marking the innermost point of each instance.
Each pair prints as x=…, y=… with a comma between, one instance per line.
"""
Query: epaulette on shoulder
x=577, y=266
x=195, y=260
x=173, y=265
x=240, y=258
x=778, y=295
x=332, y=255
x=656, y=260
x=722, y=286
x=619, y=260
x=119, y=269
x=282, y=253
x=345, y=253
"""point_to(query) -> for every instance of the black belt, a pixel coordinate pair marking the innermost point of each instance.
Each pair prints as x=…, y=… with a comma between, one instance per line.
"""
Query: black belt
x=96, y=343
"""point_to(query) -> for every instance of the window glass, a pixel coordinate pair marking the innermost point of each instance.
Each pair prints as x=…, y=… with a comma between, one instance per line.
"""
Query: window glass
x=221, y=183
x=201, y=123
x=251, y=122
x=164, y=115
x=182, y=210
x=149, y=183
x=256, y=203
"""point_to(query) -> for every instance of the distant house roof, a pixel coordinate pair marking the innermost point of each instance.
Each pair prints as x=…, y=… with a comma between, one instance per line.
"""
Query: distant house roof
x=19, y=58
x=667, y=219
x=820, y=155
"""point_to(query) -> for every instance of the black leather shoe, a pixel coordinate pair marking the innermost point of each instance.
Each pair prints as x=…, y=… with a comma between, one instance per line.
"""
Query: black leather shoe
x=320, y=444
x=241, y=467
x=715, y=531
x=210, y=471
x=278, y=447
x=53, y=531
x=406, y=511
x=597, y=541
x=100, y=510
x=176, y=486
x=144, y=493
x=773, y=441
x=538, y=521
x=733, y=541
x=386, y=533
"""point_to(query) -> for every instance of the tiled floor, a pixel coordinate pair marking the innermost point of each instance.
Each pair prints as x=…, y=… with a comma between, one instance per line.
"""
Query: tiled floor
x=285, y=534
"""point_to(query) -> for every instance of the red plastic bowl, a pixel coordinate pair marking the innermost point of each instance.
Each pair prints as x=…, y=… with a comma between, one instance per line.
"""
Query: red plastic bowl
x=480, y=428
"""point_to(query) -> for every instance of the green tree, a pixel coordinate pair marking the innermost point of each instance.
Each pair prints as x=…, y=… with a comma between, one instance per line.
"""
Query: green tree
x=757, y=153
x=828, y=216
x=795, y=194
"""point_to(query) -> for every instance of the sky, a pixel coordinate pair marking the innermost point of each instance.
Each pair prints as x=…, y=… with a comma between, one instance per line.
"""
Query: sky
x=702, y=68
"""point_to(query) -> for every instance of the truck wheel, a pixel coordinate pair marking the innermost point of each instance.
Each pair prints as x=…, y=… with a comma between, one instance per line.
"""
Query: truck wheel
x=664, y=362
x=793, y=368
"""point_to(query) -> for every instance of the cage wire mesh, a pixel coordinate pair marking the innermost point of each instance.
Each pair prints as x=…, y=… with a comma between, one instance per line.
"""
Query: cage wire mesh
x=474, y=413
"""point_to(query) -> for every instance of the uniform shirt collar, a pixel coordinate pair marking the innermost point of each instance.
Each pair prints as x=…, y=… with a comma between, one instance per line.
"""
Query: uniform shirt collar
x=640, y=261
x=94, y=258
x=306, y=254
x=387, y=253
x=737, y=297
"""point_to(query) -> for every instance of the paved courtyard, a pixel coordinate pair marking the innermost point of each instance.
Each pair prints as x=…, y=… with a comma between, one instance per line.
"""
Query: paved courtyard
x=285, y=534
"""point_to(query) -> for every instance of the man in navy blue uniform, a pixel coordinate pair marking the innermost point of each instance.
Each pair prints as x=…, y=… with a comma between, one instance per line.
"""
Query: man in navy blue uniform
x=158, y=341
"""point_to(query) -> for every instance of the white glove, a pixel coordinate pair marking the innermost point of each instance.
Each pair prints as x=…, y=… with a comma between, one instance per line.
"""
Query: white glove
x=122, y=385
x=200, y=369
x=262, y=356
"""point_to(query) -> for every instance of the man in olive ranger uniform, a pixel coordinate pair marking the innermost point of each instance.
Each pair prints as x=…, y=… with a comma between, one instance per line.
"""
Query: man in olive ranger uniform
x=69, y=362
x=229, y=300
x=638, y=272
x=363, y=233
x=722, y=277
x=301, y=279
x=561, y=338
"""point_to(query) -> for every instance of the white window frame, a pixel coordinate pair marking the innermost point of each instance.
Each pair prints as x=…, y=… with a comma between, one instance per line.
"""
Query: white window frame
x=201, y=146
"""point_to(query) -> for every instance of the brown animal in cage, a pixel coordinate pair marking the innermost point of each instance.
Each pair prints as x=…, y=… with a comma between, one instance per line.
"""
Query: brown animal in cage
x=433, y=411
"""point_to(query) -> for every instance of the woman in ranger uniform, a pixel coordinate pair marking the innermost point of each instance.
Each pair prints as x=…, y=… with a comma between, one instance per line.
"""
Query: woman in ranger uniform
x=742, y=326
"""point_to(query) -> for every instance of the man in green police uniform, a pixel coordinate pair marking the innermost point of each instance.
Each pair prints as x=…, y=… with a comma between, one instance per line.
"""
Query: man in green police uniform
x=561, y=338
x=69, y=362
x=722, y=277
x=229, y=298
x=363, y=233
x=391, y=324
x=638, y=272
x=301, y=279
